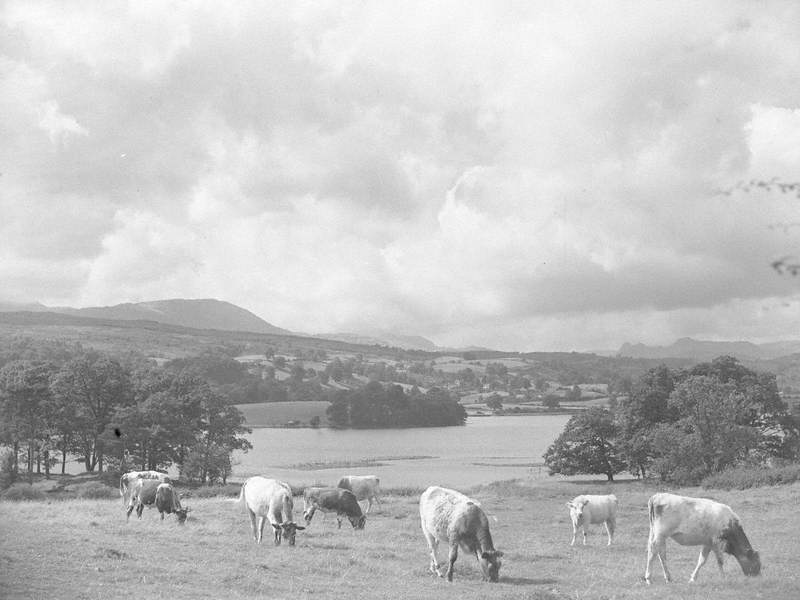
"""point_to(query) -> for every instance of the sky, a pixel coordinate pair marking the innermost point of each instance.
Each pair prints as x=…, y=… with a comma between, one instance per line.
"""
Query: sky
x=514, y=175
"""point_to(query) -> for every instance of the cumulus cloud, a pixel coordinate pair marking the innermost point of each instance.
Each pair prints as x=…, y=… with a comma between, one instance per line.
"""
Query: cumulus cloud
x=512, y=175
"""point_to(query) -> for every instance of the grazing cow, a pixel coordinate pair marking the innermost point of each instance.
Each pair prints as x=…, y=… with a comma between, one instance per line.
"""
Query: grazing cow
x=142, y=493
x=168, y=501
x=270, y=499
x=365, y=487
x=590, y=509
x=127, y=480
x=697, y=522
x=342, y=502
x=452, y=517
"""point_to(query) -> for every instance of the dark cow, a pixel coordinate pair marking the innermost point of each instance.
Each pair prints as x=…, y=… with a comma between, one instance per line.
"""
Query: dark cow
x=342, y=502
x=450, y=516
x=145, y=492
x=127, y=480
x=697, y=522
x=168, y=501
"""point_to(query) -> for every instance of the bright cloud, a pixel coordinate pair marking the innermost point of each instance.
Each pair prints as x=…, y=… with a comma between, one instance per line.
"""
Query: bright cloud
x=523, y=176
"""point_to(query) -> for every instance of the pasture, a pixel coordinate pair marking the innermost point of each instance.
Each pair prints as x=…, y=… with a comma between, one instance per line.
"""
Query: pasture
x=277, y=414
x=86, y=549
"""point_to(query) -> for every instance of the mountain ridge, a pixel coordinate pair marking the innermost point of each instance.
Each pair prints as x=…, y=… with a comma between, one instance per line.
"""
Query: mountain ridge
x=704, y=350
x=201, y=313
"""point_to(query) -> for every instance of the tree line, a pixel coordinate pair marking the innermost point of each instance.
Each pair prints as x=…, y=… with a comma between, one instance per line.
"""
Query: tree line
x=682, y=425
x=376, y=406
x=115, y=414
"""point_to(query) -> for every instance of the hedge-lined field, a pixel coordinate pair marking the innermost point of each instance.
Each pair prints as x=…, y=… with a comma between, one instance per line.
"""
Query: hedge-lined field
x=85, y=549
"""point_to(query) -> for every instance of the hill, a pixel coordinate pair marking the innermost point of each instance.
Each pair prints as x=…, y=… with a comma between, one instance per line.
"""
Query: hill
x=197, y=314
x=702, y=350
x=383, y=338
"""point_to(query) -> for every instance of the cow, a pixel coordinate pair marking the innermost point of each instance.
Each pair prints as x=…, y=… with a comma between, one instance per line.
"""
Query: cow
x=168, y=501
x=450, y=516
x=697, y=522
x=128, y=479
x=590, y=509
x=146, y=492
x=365, y=487
x=270, y=499
x=342, y=502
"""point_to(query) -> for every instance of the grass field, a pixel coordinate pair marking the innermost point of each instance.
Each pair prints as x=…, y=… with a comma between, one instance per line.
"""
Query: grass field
x=277, y=414
x=86, y=549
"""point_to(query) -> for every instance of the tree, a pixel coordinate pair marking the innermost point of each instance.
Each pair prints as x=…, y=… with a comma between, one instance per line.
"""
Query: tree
x=495, y=402
x=551, y=401
x=96, y=385
x=574, y=394
x=24, y=407
x=586, y=446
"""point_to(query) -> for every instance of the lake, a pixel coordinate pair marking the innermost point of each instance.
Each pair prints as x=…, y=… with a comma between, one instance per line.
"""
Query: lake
x=486, y=449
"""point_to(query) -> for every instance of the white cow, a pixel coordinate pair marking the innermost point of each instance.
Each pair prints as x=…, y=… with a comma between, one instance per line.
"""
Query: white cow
x=697, y=522
x=127, y=480
x=450, y=516
x=590, y=509
x=270, y=499
x=365, y=487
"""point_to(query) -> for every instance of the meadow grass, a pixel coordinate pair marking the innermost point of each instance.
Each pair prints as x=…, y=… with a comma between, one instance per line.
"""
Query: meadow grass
x=83, y=548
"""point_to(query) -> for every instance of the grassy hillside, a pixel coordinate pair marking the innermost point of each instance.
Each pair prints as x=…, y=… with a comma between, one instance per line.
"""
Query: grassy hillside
x=277, y=414
x=87, y=550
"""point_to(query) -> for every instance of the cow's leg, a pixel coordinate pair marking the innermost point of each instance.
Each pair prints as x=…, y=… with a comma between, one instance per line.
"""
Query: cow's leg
x=162, y=515
x=130, y=510
x=656, y=547
x=433, y=545
x=574, y=533
x=261, y=522
x=583, y=529
x=253, y=526
x=701, y=560
x=339, y=519
x=369, y=505
x=720, y=559
x=139, y=510
x=611, y=525
x=452, y=559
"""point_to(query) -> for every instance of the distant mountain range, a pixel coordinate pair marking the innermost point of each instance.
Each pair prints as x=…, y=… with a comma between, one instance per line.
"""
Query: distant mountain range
x=197, y=314
x=706, y=350
x=382, y=338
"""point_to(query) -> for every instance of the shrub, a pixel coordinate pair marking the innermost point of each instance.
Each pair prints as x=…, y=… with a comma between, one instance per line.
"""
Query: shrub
x=22, y=493
x=744, y=477
x=96, y=490
x=7, y=474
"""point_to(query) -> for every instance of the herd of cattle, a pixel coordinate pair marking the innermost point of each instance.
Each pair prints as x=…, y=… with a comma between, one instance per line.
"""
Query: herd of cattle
x=451, y=517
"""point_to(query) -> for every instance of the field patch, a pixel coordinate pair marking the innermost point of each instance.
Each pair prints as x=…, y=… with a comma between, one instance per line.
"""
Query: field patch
x=279, y=414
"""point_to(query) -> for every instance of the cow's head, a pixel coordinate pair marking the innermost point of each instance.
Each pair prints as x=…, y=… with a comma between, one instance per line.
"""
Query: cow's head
x=288, y=530
x=182, y=513
x=490, y=564
x=358, y=522
x=576, y=510
x=734, y=541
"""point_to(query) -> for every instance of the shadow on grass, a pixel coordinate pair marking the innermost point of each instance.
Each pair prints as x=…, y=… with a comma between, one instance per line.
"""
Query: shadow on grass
x=528, y=581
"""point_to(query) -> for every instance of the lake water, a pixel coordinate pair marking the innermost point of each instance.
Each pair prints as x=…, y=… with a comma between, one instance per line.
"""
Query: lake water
x=486, y=449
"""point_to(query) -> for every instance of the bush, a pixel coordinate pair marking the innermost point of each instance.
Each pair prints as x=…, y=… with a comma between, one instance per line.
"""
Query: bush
x=7, y=474
x=95, y=490
x=744, y=477
x=23, y=493
x=229, y=490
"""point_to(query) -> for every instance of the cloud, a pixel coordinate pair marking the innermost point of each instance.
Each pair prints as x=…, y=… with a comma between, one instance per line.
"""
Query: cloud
x=520, y=176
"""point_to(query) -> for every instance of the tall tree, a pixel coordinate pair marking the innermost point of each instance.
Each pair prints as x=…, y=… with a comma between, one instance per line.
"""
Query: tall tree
x=96, y=385
x=587, y=445
x=24, y=398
